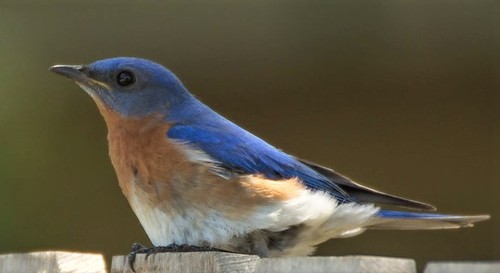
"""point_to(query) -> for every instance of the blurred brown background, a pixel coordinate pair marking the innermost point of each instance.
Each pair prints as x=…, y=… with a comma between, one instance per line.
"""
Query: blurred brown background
x=403, y=96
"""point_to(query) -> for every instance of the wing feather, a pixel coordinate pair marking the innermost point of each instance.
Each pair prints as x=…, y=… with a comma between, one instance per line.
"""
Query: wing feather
x=241, y=152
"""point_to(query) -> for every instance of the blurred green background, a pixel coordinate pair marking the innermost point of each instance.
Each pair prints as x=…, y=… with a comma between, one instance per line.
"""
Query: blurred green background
x=403, y=96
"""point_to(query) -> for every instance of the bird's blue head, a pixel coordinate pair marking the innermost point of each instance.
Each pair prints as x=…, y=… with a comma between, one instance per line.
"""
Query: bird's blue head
x=132, y=87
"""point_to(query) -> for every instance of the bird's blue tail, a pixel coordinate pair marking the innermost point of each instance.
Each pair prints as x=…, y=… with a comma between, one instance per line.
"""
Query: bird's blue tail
x=387, y=219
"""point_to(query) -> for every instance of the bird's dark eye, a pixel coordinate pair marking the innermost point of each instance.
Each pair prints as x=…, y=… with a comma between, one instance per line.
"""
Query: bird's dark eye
x=125, y=78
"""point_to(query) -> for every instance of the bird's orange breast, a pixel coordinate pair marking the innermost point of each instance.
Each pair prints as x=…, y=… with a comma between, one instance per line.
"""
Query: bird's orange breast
x=142, y=155
x=146, y=160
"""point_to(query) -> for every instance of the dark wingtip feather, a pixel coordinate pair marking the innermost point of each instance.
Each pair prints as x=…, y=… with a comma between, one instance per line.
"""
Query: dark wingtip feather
x=364, y=194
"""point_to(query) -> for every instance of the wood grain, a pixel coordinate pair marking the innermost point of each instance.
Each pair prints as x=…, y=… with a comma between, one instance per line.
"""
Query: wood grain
x=207, y=262
x=216, y=262
x=463, y=267
x=52, y=262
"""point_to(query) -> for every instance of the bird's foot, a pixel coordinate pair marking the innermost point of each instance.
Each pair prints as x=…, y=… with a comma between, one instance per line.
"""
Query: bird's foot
x=134, y=250
x=140, y=249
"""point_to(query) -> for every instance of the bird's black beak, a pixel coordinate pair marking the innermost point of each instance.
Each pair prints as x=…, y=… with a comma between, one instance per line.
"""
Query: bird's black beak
x=73, y=72
x=78, y=73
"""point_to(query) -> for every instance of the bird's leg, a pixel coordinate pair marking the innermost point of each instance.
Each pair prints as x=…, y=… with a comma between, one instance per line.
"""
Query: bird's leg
x=140, y=249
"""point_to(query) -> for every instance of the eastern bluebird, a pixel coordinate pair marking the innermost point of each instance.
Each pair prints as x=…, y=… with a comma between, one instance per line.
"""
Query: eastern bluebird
x=194, y=178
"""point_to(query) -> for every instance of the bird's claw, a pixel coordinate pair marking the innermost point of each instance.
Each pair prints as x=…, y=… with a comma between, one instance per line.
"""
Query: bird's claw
x=134, y=250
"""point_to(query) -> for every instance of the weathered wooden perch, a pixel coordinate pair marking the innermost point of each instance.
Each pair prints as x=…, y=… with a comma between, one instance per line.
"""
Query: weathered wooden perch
x=463, y=267
x=187, y=263
x=217, y=262
x=346, y=264
x=52, y=262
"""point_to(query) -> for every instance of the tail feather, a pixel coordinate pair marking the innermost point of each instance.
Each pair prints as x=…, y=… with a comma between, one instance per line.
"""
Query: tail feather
x=387, y=219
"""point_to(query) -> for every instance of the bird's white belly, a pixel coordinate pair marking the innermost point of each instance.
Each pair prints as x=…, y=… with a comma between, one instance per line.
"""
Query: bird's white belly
x=192, y=223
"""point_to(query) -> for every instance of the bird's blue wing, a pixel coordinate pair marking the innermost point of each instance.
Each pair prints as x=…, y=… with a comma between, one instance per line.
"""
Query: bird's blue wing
x=240, y=151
